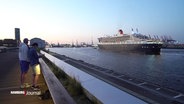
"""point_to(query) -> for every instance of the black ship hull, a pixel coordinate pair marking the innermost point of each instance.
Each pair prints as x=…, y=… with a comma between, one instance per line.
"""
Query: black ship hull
x=135, y=48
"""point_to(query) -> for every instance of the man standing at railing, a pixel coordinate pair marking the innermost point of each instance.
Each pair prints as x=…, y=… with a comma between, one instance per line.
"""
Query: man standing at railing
x=24, y=62
x=34, y=62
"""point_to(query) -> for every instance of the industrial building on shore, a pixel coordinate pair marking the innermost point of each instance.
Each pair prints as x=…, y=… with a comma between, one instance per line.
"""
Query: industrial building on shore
x=15, y=42
x=12, y=42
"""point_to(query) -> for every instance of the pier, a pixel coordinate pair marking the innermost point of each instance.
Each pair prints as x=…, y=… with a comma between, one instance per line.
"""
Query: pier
x=146, y=91
x=104, y=92
x=106, y=86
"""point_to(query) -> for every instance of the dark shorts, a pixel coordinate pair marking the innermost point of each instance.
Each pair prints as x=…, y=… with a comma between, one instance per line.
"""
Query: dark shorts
x=24, y=66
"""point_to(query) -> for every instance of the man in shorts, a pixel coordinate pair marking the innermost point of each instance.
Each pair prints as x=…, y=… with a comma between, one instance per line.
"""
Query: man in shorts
x=24, y=62
x=34, y=62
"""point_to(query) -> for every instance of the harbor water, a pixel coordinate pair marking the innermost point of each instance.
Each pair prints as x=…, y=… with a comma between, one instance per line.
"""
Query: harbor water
x=166, y=69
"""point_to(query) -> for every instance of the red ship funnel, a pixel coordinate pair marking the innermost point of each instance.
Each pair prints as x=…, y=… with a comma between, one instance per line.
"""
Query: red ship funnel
x=120, y=31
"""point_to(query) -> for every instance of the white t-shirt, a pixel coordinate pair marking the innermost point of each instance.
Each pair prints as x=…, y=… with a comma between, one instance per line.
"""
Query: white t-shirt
x=23, y=52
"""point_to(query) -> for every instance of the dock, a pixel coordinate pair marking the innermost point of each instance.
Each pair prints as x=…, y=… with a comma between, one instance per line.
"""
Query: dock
x=115, y=86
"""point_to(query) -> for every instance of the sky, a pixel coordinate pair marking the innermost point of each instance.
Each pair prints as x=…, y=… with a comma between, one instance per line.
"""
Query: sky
x=67, y=21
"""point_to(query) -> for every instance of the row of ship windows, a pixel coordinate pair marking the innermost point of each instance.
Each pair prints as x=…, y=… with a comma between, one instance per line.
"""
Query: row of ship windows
x=131, y=42
x=147, y=47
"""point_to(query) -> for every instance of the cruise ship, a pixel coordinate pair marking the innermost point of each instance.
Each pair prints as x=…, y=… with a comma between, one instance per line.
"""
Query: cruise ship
x=135, y=42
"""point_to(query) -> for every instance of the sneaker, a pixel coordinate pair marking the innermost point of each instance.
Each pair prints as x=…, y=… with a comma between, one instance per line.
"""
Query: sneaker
x=26, y=85
x=35, y=87
x=22, y=86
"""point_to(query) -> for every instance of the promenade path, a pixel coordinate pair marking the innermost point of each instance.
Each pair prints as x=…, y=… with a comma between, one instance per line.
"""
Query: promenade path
x=10, y=81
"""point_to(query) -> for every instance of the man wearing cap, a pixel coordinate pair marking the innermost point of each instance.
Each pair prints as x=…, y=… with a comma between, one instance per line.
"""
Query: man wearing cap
x=24, y=62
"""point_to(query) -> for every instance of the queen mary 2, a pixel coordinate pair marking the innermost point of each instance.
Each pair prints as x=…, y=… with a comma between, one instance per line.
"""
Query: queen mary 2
x=136, y=43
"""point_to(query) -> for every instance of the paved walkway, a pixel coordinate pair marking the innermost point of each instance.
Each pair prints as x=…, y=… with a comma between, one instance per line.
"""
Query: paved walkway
x=10, y=81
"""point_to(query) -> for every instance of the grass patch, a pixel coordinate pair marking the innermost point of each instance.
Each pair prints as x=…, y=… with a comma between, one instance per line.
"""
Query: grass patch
x=73, y=87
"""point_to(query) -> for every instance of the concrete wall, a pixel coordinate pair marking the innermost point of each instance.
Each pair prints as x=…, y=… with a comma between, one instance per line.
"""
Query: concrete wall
x=104, y=92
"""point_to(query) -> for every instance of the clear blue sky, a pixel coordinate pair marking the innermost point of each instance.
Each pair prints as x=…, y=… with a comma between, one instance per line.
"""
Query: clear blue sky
x=65, y=21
